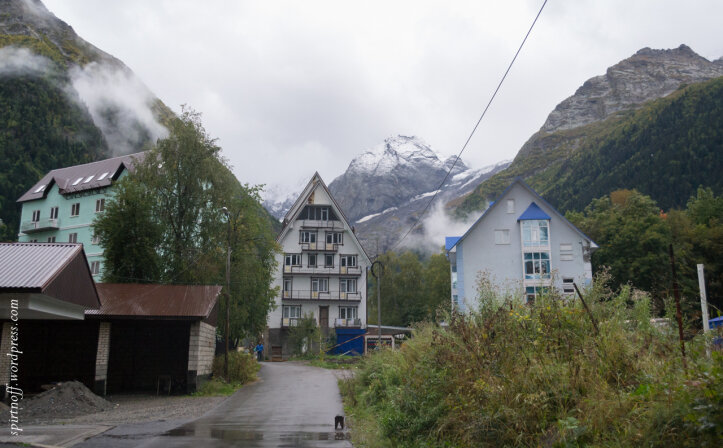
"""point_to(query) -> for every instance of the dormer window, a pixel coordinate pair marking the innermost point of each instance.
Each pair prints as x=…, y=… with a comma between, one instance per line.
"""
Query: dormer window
x=102, y=176
x=40, y=189
x=536, y=233
x=77, y=181
x=89, y=178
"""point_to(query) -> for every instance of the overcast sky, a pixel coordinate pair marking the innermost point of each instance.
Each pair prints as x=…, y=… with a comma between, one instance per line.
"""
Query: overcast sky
x=290, y=87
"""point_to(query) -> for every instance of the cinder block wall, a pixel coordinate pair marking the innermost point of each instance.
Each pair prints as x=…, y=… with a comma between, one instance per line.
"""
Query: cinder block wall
x=101, y=358
x=201, y=349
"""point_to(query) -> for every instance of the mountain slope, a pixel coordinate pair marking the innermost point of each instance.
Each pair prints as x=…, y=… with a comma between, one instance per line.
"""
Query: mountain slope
x=578, y=129
x=62, y=102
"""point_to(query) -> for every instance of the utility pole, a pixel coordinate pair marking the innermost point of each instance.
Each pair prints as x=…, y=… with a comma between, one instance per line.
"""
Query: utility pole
x=378, y=276
x=704, y=306
x=678, y=313
x=228, y=291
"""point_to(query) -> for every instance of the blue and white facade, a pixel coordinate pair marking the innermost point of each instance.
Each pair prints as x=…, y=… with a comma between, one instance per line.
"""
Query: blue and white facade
x=521, y=245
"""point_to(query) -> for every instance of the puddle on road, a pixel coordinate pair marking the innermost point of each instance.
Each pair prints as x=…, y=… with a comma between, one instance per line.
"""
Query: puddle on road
x=233, y=435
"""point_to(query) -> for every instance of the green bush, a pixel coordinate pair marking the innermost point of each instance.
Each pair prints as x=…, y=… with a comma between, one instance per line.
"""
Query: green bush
x=242, y=367
x=512, y=374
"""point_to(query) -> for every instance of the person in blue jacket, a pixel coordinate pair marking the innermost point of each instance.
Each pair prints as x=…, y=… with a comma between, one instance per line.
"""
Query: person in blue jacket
x=259, y=351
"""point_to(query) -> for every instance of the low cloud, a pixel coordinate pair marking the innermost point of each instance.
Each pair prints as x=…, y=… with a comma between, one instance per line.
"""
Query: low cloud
x=437, y=225
x=15, y=61
x=120, y=105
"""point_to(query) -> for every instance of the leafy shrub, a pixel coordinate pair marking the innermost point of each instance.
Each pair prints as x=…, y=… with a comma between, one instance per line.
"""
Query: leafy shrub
x=302, y=335
x=512, y=374
x=242, y=367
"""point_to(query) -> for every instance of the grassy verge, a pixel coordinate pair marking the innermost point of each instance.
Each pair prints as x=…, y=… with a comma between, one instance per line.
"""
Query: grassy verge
x=242, y=368
x=329, y=361
x=540, y=375
x=217, y=387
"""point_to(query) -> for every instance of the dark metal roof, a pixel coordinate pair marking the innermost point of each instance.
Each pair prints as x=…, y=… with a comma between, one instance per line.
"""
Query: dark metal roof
x=78, y=174
x=58, y=270
x=139, y=301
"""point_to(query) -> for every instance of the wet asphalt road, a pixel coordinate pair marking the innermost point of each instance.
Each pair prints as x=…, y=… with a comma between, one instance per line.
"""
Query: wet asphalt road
x=292, y=405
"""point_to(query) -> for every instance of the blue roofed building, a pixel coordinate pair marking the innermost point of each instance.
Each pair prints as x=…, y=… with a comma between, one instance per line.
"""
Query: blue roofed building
x=522, y=246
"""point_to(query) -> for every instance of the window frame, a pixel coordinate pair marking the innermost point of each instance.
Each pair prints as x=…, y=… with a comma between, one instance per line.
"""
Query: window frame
x=326, y=260
x=36, y=216
x=286, y=311
x=344, y=261
x=54, y=212
x=291, y=257
x=309, y=258
x=344, y=312
x=319, y=283
x=532, y=231
x=502, y=236
x=95, y=267
x=75, y=210
x=347, y=281
x=306, y=236
x=99, y=205
x=73, y=237
x=537, y=264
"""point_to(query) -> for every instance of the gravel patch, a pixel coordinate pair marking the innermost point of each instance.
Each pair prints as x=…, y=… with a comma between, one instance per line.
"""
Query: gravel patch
x=134, y=409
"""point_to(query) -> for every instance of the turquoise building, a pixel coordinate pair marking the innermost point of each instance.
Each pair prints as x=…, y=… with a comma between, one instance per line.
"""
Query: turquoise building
x=62, y=205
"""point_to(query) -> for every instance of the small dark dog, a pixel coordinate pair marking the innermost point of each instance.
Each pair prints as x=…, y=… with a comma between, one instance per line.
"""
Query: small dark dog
x=339, y=421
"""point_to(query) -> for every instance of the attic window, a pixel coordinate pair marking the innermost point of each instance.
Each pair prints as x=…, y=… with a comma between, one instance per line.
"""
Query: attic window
x=40, y=188
x=77, y=181
x=89, y=179
x=102, y=176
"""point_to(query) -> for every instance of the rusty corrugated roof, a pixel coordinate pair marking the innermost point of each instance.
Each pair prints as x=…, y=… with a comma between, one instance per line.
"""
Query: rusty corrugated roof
x=33, y=265
x=58, y=270
x=136, y=300
x=85, y=177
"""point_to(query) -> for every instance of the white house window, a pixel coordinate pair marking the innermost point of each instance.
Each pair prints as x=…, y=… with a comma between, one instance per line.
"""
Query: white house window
x=75, y=209
x=347, y=285
x=324, y=214
x=312, y=260
x=291, y=315
x=95, y=240
x=566, y=252
x=99, y=205
x=292, y=260
x=54, y=213
x=73, y=238
x=320, y=284
x=287, y=284
x=347, y=312
x=502, y=236
x=537, y=265
x=329, y=260
x=36, y=215
x=348, y=261
x=95, y=267
x=568, y=287
x=510, y=206
x=532, y=292
x=335, y=238
x=307, y=237
x=51, y=239
x=536, y=233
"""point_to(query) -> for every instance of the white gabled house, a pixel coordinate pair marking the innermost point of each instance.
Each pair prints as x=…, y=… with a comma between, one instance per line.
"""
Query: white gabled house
x=321, y=272
x=522, y=245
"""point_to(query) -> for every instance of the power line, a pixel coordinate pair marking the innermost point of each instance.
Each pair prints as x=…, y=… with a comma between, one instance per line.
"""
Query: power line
x=509, y=67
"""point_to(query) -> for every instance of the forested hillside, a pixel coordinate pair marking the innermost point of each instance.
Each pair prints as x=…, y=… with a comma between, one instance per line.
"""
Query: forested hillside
x=666, y=149
x=40, y=129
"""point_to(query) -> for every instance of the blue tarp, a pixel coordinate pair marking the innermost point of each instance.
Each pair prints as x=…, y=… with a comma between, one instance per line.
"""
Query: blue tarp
x=715, y=323
x=533, y=212
x=450, y=241
x=346, y=342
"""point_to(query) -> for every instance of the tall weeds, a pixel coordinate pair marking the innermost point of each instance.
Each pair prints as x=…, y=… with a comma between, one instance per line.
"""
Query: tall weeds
x=512, y=374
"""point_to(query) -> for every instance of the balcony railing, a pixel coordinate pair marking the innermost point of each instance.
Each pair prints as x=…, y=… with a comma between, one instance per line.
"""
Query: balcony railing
x=330, y=224
x=347, y=323
x=39, y=226
x=305, y=294
x=290, y=321
x=338, y=270
x=326, y=247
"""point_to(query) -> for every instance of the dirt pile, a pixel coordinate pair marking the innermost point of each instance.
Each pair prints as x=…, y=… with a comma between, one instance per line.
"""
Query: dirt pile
x=67, y=399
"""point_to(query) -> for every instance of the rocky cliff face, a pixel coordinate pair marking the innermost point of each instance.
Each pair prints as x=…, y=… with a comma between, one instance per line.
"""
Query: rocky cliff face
x=389, y=174
x=625, y=87
x=647, y=75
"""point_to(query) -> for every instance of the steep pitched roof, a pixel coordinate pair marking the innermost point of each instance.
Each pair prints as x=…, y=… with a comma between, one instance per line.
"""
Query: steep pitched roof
x=519, y=181
x=295, y=210
x=82, y=177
